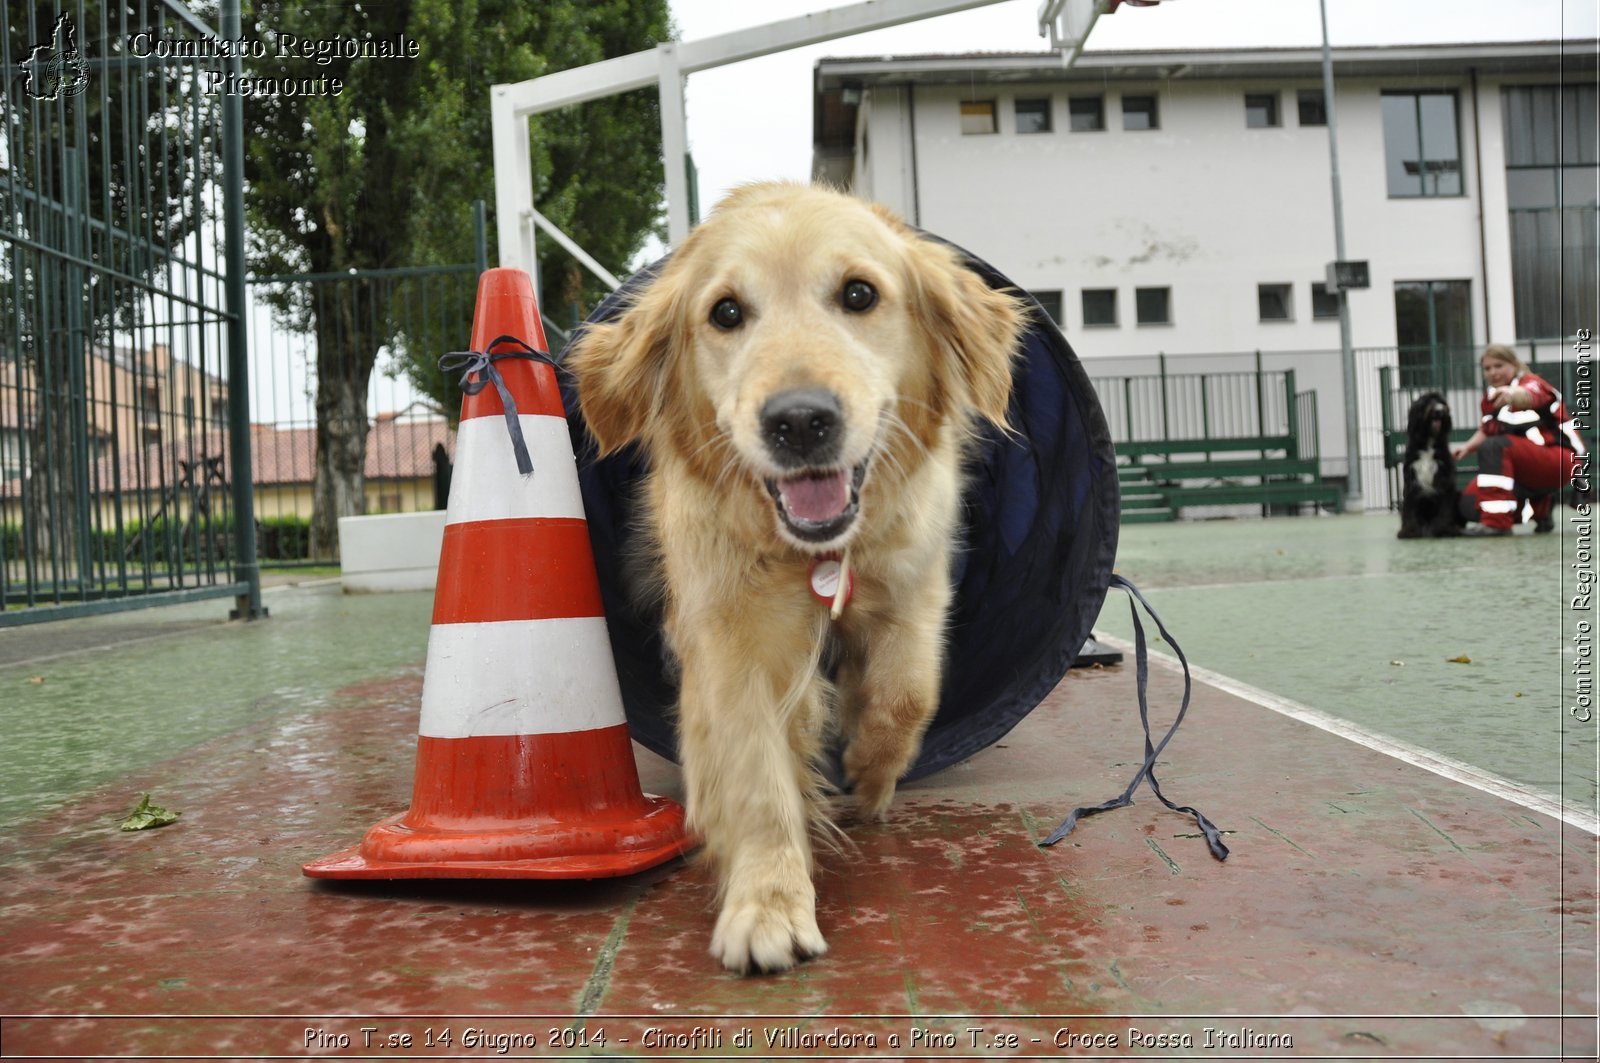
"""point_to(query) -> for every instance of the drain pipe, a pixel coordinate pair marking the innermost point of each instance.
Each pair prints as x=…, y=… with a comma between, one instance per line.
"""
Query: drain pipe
x=1483, y=241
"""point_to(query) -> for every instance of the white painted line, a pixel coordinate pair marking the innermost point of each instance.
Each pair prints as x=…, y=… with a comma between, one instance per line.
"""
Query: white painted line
x=1447, y=767
x=487, y=485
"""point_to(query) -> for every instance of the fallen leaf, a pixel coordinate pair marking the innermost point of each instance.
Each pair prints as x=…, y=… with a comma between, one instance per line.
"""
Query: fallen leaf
x=147, y=816
x=1463, y=659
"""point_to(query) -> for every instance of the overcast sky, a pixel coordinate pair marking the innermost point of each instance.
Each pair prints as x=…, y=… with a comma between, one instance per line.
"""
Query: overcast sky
x=752, y=120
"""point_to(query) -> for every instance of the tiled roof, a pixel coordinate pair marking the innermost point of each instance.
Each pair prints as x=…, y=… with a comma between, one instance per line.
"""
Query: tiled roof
x=396, y=450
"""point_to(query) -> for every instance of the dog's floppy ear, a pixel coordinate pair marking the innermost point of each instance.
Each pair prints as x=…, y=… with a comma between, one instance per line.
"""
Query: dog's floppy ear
x=974, y=329
x=1415, y=414
x=621, y=366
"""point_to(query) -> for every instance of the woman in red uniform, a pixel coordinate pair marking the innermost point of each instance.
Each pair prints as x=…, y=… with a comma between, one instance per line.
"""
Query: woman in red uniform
x=1526, y=445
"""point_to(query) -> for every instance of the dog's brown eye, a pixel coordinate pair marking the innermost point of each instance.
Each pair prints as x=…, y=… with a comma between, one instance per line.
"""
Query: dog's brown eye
x=727, y=314
x=858, y=296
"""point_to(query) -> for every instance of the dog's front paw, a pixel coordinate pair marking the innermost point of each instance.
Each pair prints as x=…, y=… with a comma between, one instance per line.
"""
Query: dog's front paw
x=767, y=932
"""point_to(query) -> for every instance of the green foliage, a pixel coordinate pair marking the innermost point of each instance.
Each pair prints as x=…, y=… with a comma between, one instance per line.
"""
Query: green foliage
x=165, y=540
x=277, y=539
x=283, y=539
x=147, y=816
x=385, y=173
x=115, y=165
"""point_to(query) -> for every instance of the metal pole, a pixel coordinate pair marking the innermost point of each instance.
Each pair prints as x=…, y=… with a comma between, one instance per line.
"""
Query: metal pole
x=480, y=233
x=674, y=142
x=1352, y=406
x=247, y=606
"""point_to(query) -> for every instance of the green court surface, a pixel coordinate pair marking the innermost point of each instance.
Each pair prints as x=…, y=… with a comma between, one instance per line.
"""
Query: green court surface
x=85, y=701
x=1470, y=648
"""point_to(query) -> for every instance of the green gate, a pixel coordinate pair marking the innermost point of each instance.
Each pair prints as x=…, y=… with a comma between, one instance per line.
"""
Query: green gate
x=337, y=349
x=124, y=424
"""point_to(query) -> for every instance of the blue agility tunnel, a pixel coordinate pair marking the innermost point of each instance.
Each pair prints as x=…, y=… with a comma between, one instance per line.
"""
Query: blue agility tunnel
x=1040, y=521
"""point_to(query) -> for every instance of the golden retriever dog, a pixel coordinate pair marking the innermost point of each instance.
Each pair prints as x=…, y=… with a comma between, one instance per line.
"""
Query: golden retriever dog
x=803, y=374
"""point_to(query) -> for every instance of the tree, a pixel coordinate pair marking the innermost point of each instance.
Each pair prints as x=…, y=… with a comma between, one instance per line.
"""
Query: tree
x=383, y=174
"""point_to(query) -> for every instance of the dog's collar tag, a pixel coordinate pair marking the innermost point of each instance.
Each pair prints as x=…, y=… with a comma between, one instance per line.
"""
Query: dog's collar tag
x=831, y=583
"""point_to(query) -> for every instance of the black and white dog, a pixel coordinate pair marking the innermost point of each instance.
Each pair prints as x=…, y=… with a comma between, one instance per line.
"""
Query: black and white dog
x=1429, y=506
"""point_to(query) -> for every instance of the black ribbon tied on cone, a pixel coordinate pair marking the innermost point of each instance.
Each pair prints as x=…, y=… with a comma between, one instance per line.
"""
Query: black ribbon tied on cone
x=481, y=364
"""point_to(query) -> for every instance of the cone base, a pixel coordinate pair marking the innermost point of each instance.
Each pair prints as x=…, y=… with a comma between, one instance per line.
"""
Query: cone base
x=544, y=851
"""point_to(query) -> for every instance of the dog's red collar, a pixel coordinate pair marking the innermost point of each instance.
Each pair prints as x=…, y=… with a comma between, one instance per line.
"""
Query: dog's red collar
x=831, y=581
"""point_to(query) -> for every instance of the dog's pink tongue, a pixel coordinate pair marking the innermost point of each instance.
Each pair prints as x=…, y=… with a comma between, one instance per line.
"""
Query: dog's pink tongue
x=816, y=498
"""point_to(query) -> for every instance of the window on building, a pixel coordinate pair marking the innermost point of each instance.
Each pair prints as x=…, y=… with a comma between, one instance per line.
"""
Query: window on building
x=977, y=117
x=1261, y=110
x=1051, y=304
x=1433, y=328
x=1324, y=304
x=1421, y=149
x=1087, y=113
x=1552, y=172
x=1313, y=107
x=1276, y=302
x=1139, y=112
x=1033, y=115
x=1153, y=306
x=1099, y=307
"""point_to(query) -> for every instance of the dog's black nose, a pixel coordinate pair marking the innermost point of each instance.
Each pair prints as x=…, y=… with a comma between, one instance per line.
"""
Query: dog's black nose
x=801, y=427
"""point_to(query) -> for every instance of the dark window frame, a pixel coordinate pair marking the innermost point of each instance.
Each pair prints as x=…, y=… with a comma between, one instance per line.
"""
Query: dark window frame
x=1048, y=111
x=1086, y=107
x=1153, y=114
x=1140, y=296
x=1089, y=320
x=1311, y=108
x=1266, y=104
x=1275, y=290
x=1324, y=304
x=1045, y=297
x=1442, y=165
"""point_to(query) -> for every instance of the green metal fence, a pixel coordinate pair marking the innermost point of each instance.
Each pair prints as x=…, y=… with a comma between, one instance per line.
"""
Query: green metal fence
x=355, y=345
x=1391, y=378
x=1398, y=389
x=123, y=468
x=341, y=342
x=1184, y=405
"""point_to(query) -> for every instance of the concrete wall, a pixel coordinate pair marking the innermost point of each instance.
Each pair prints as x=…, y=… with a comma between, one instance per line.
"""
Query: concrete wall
x=1203, y=205
x=1206, y=207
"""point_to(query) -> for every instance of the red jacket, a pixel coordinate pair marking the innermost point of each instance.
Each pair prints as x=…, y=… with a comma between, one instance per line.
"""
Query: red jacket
x=1546, y=422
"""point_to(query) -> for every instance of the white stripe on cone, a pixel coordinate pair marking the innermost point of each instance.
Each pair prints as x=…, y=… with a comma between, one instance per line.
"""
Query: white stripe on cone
x=487, y=485
x=519, y=677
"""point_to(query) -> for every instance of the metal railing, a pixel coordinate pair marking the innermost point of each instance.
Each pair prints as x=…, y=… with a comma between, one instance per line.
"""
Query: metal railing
x=118, y=363
x=373, y=332
x=1185, y=406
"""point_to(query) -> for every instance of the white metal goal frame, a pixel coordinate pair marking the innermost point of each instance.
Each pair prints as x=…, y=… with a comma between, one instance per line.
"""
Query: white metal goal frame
x=1065, y=22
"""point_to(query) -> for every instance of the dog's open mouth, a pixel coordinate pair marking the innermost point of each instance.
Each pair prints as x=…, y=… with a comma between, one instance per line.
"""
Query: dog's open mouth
x=818, y=505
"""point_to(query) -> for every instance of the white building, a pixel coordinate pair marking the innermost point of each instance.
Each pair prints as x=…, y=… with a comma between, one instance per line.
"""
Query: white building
x=1180, y=203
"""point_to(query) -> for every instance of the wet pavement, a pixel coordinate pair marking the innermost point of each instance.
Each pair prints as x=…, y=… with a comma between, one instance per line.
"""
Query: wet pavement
x=1461, y=646
x=1370, y=908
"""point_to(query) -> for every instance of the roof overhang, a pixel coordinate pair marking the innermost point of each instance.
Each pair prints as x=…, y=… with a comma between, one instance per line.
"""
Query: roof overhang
x=837, y=82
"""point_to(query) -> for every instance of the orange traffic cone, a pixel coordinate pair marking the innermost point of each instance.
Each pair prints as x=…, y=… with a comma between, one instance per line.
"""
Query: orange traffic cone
x=524, y=764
